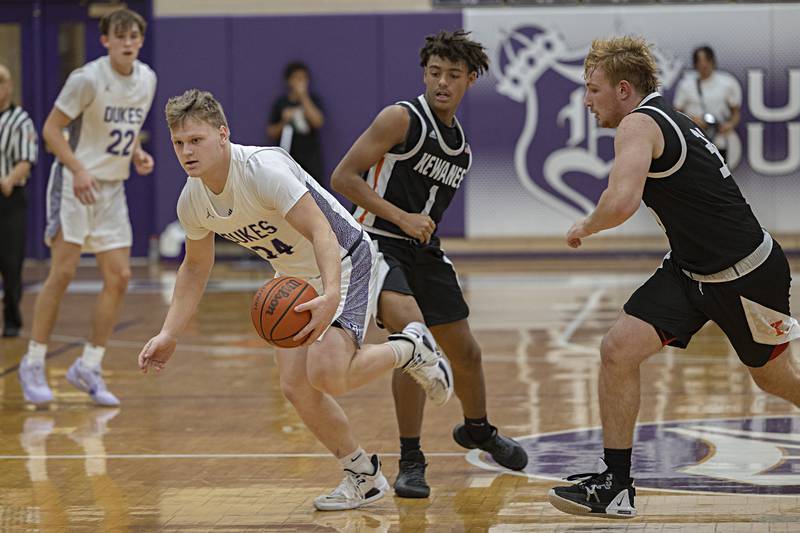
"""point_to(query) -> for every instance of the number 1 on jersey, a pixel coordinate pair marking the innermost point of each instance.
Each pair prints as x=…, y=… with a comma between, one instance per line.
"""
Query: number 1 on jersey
x=431, y=200
x=711, y=147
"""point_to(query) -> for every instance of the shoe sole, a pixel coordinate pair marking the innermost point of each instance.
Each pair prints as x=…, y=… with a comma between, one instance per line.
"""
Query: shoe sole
x=568, y=506
x=40, y=402
x=400, y=493
x=448, y=393
x=448, y=372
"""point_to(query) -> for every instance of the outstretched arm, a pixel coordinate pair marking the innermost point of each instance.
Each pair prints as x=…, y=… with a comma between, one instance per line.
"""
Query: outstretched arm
x=189, y=287
x=637, y=139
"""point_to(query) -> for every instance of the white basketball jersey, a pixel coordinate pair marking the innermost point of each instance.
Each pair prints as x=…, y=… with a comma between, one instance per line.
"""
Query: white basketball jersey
x=107, y=111
x=265, y=184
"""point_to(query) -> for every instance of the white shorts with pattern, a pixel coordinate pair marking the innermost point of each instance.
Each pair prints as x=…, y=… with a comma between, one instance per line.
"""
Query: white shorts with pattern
x=98, y=227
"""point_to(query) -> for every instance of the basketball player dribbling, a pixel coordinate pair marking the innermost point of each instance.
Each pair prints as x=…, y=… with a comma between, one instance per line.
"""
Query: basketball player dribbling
x=263, y=200
x=402, y=174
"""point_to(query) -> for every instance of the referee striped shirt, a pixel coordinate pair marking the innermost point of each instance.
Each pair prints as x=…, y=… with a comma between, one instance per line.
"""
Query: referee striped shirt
x=18, y=139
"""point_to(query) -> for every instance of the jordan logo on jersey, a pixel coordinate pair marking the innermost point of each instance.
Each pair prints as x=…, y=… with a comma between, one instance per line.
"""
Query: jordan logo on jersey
x=440, y=170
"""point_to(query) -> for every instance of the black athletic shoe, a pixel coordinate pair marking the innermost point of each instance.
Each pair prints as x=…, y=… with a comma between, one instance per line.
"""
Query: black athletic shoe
x=596, y=494
x=410, y=482
x=506, y=451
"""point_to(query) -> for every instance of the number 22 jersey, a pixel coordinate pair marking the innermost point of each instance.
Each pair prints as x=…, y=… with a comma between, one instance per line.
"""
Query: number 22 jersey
x=107, y=111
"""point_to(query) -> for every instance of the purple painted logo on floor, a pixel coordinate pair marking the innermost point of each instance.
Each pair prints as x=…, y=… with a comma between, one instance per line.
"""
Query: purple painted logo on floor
x=759, y=455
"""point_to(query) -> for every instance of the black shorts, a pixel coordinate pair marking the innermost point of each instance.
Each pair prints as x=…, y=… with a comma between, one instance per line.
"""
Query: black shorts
x=424, y=272
x=677, y=306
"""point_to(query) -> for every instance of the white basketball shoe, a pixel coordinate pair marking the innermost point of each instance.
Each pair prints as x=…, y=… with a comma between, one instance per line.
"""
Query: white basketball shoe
x=427, y=365
x=34, y=382
x=355, y=490
x=90, y=380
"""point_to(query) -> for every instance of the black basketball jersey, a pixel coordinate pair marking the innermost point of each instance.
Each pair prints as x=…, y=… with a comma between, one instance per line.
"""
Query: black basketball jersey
x=709, y=224
x=422, y=174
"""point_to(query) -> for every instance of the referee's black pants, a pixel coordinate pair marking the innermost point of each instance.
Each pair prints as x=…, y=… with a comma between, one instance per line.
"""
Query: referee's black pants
x=12, y=253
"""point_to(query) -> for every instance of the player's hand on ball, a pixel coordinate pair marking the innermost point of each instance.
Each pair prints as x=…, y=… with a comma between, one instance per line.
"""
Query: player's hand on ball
x=418, y=225
x=323, y=310
x=576, y=233
x=157, y=352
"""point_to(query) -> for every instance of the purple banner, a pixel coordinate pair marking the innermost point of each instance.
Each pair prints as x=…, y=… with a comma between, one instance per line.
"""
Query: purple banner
x=542, y=161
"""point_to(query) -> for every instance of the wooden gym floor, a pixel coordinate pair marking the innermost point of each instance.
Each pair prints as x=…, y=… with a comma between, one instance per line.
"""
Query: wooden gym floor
x=210, y=443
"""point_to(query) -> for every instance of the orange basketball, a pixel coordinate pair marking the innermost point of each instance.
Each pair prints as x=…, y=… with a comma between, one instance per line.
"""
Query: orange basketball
x=273, y=312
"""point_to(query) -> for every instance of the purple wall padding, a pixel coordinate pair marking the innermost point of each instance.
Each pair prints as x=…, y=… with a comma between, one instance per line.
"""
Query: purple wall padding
x=359, y=64
x=188, y=53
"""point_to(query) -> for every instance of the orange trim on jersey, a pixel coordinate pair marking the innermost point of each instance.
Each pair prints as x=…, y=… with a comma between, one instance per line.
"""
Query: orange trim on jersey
x=374, y=187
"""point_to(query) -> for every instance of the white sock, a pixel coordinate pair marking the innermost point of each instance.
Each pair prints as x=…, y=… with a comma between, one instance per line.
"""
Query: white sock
x=404, y=350
x=36, y=352
x=358, y=461
x=92, y=355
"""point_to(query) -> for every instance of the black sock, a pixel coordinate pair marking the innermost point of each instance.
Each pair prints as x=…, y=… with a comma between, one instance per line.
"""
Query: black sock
x=479, y=428
x=619, y=462
x=409, y=445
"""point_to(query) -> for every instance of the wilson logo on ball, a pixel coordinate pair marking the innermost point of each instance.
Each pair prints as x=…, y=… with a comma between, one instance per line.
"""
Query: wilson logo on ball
x=273, y=310
x=284, y=292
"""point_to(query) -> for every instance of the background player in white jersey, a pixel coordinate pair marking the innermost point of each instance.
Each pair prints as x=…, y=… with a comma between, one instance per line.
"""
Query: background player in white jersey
x=263, y=200
x=104, y=104
x=412, y=176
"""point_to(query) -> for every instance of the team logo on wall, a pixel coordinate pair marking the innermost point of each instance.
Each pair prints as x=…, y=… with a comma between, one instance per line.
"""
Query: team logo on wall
x=568, y=168
x=759, y=455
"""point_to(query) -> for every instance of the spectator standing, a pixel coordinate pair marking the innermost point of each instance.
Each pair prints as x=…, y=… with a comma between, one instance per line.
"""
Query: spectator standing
x=296, y=118
x=712, y=98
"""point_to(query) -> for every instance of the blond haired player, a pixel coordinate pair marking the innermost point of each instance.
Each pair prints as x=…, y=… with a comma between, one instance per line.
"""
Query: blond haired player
x=261, y=199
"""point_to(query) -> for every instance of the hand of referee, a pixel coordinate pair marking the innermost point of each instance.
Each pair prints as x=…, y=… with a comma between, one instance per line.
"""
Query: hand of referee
x=84, y=185
x=6, y=186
